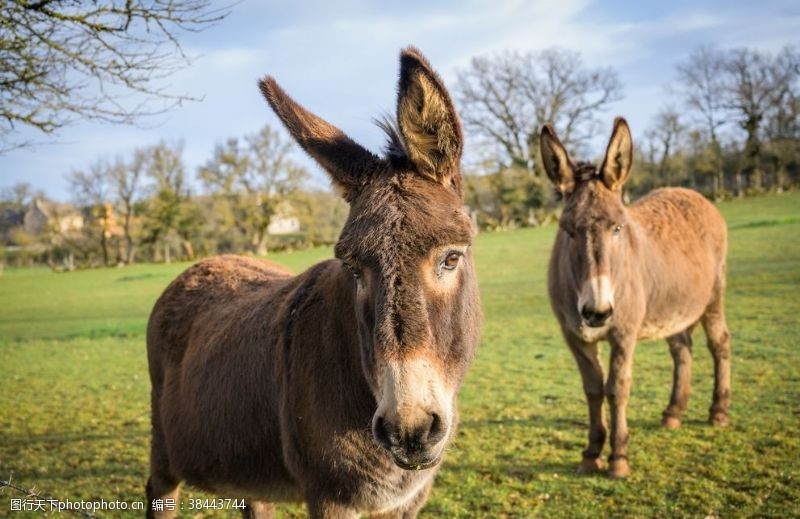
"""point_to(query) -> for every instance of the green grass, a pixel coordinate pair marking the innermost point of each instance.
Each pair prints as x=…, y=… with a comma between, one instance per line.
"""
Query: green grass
x=74, y=405
x=38, y=303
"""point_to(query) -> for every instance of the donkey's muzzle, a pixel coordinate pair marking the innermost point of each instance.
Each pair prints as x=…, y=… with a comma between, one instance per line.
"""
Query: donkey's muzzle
x=595, y=318
x=415, y=447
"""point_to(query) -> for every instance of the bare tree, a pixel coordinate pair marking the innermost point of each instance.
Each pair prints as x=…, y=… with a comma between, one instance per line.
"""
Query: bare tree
x=702, y=87
x=221, y=175
x=749, y=85
x=255, y=179
x=666, y=130
x=168, y=211
x=126, y=183
x=782, y=125
x=63, y=60
x=91, y=189
x=19, y=195
x=505, y=98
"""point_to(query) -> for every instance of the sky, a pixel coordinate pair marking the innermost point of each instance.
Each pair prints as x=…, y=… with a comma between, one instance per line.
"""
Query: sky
x=340, y=60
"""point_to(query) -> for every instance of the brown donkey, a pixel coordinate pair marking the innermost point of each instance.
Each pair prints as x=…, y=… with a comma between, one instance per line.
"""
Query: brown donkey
x=651, y=270
x=337, y=386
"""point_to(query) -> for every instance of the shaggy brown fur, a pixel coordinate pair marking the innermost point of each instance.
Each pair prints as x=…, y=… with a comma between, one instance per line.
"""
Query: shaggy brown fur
x=617, y=273
x=328, y=386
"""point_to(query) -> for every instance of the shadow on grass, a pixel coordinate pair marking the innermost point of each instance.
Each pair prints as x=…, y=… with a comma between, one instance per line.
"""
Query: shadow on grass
x=510, y=467
x=533, y=421
x=62, y=439
x=765, y=223
x=102, y=474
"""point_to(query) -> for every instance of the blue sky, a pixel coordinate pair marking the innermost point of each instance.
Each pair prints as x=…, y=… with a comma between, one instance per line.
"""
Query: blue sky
x=339, y=59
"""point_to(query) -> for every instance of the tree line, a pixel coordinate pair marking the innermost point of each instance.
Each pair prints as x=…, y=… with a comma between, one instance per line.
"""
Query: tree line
x=730, y=126
x=144, y=207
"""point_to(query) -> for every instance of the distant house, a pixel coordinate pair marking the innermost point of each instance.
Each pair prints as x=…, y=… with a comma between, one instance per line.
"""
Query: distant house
x=43, y=216
x=282, y=221
x=108, y=219
x=283, y=225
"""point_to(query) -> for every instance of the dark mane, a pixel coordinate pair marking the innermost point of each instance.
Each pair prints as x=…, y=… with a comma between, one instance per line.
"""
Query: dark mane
x=585, y=171
x=394, y=149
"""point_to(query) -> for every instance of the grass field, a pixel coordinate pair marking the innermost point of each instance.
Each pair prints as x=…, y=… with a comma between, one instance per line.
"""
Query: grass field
x=74, y=409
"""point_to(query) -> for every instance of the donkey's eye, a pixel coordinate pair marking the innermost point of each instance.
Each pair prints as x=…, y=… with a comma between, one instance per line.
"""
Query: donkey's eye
x=451, y=261
x=618, y=228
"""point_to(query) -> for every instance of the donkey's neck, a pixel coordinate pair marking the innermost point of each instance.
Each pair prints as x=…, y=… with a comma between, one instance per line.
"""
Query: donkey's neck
x=321, y=338
x=646, y=257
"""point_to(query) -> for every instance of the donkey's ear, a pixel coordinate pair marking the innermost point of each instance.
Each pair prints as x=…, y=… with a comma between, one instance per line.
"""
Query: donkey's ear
x=428, y=121
x=347, y=162
x=557, y=165
x=619, y=156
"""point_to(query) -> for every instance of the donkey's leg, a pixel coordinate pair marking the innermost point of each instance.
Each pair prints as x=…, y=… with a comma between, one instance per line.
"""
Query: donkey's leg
x=618, y=389
x=258, y=510
x=162, y=486
x=719, y=343
x=680, y=346
x=162, y=496
x=587, y=358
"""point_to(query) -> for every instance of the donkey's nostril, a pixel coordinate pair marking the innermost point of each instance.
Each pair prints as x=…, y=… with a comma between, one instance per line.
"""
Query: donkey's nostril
x=411, y=439
x=437, y=430
x=603, y=316
x=381, y=432
x=595, y=318
x=412, y=447
x=425, y=435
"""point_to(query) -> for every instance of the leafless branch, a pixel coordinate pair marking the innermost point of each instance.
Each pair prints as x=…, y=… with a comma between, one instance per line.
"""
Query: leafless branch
x=62, y=61
x=505, y=98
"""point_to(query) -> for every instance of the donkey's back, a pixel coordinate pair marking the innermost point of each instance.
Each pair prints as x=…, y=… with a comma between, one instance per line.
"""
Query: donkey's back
x=204, y=289
x=682, y=256
x=676, y=217
x=209, y=342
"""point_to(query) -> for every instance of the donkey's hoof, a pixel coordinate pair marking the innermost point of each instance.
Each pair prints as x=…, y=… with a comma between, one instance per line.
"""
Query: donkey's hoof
x=618, y=469
x=590, y=466
x=670, y=422
x=719, y=419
